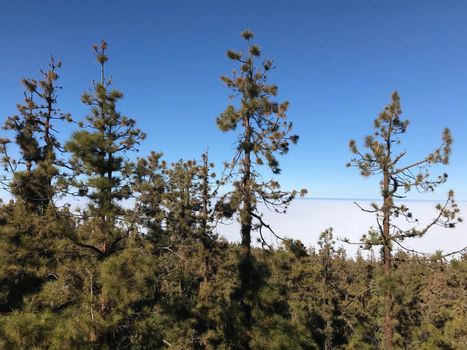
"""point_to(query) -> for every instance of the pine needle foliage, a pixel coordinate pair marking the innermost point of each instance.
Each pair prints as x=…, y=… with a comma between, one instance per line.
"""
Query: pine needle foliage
x=99, y=152
x=35, y=176
x=263, y=134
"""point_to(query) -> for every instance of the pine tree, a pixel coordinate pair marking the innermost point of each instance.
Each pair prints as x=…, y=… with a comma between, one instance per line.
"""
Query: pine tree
x=105, y=236
x=35, y=173
x=98, y=160
x=206, y=215
x=28, y=246
x=362, y=306
x=383, y=158
x=173, y=207
x=332, y=292
x=264, y=133
x=149, y=185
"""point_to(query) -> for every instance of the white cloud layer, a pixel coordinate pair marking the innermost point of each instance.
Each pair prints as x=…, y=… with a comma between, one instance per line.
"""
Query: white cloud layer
x=307, y=218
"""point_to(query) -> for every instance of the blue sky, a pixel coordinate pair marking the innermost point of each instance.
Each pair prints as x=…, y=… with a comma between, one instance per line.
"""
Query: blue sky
x=337, y=63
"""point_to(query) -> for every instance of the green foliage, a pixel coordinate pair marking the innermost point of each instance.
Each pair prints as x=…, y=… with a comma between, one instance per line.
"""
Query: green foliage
x=34, y=175
x=99, y=151
x=264, y=134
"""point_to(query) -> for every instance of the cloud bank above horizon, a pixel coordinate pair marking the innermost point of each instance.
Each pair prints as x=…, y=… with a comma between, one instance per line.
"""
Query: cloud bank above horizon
x=307, y=218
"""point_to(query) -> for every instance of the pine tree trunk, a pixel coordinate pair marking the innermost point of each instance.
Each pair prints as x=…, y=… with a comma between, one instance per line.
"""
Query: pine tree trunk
x=49, y=149
x=328, y=336
x=246, y=217
x=387, y=256
x=327, y=300
x=206, y=239
x=246, y=224
x=388, y=303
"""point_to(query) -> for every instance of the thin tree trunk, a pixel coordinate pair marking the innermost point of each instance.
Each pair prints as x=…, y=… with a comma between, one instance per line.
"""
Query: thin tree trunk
x=246, y=218
x=327, y=300
x=387, y=256
x=49, y=149
x=246, y=223
x=206, y=239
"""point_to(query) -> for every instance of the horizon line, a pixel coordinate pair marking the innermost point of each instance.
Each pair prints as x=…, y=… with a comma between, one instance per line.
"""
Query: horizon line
x=375, y=199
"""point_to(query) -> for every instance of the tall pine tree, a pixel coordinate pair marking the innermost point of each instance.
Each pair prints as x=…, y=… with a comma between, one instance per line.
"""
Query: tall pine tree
x=264, y=133
x=27, y=246
x=383, y=158
x=34, y=174
x=99, y=152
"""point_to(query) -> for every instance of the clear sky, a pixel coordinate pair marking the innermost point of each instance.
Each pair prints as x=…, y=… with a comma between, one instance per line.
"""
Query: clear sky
x=337, y=63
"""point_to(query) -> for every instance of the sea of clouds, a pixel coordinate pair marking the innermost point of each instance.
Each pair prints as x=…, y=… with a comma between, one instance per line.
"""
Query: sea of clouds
x=307, y=218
